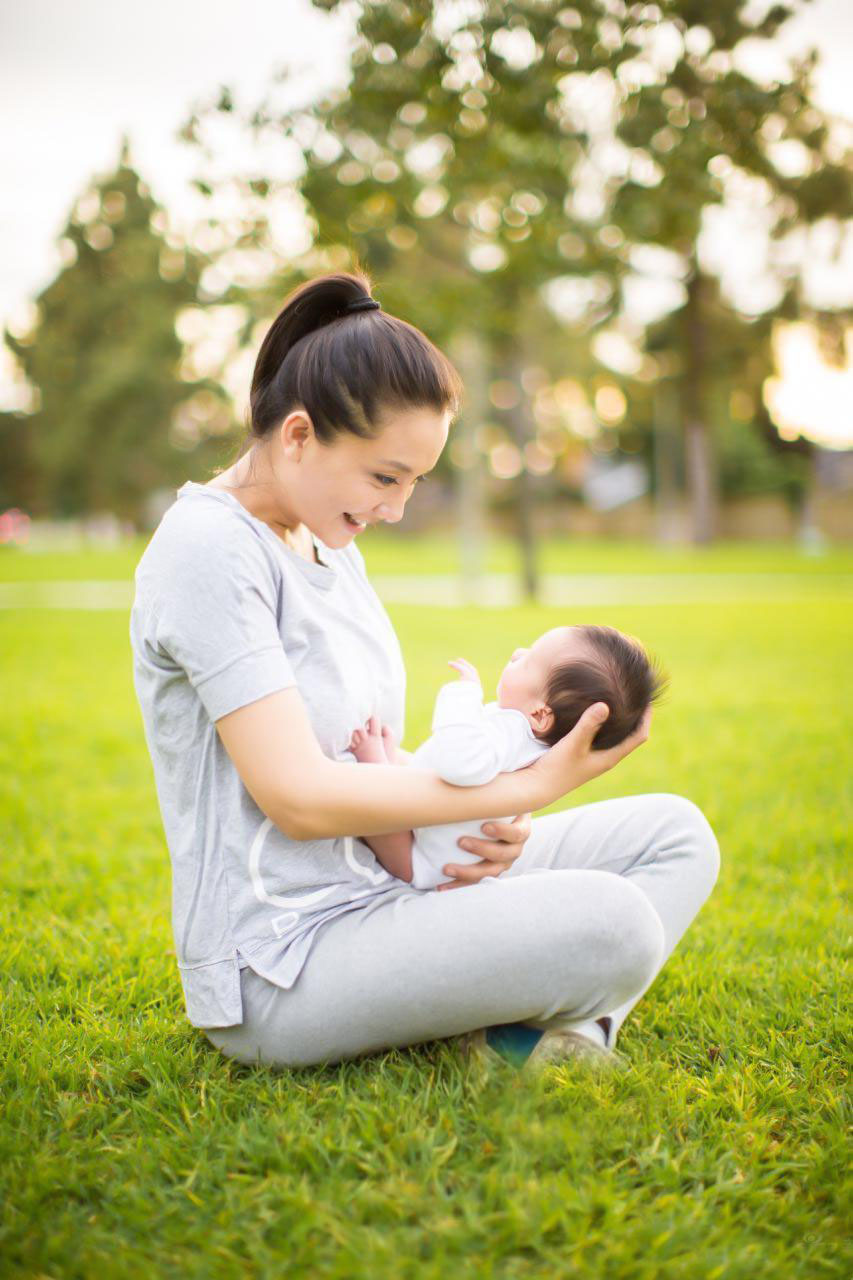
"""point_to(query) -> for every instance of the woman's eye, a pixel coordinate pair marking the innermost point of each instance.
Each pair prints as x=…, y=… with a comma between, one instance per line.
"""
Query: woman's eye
x=386, y=480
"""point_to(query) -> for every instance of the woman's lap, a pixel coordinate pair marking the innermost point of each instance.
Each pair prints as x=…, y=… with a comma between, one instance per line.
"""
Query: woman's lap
x=563, y=934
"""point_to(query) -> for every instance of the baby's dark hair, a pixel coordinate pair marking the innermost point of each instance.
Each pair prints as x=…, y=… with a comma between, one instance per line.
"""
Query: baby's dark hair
x=617, y=671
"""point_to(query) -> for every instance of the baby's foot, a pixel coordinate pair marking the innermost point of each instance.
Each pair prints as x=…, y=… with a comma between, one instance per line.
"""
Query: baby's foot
x=367, y=744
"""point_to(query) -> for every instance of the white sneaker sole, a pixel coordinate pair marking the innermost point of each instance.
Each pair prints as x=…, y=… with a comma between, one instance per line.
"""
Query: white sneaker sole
x=555, y=1046
x=563, y=1045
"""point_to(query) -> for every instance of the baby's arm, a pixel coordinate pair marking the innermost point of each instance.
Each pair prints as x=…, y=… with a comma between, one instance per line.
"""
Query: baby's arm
x=462, y=747
x=375, y=744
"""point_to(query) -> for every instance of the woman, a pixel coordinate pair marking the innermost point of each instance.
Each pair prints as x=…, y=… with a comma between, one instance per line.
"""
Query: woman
x=259, y=646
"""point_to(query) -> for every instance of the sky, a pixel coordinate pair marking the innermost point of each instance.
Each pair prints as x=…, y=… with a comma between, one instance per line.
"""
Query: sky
x=75, y=77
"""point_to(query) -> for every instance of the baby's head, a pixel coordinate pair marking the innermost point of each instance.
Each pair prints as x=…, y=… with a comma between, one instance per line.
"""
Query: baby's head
x=568, y=669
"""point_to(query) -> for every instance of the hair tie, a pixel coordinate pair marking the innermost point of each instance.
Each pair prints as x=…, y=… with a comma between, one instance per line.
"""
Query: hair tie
x=362, y=304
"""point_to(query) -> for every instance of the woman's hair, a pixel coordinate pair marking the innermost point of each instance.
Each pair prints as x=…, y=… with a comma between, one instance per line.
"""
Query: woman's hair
x=344, y=368
x=617, y=671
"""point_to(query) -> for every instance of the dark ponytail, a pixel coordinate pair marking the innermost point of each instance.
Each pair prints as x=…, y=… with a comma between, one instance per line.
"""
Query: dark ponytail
x=344, y=368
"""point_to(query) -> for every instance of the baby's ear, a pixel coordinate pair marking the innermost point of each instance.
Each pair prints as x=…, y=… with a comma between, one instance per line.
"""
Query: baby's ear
x=543, y=717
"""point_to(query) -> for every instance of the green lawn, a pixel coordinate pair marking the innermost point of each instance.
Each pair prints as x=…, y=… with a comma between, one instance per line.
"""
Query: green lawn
x=392, y=551
x=129, y=1148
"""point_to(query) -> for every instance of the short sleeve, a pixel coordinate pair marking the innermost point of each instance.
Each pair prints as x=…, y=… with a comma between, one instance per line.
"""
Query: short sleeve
x=216, y=616
x=462, y=748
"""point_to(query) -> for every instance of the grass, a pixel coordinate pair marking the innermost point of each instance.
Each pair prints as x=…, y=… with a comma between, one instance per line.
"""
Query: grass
x=129, y=1148
x=393, y=551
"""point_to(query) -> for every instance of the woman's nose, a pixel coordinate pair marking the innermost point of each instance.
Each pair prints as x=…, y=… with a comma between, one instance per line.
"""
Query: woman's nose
x=393, y=511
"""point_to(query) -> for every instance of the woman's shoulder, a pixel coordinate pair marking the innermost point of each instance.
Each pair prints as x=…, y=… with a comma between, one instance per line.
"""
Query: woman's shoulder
x=202, y=534
x=205, y=518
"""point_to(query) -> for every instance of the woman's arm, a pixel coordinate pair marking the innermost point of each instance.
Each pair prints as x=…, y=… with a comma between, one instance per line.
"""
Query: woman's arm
x=274, y=749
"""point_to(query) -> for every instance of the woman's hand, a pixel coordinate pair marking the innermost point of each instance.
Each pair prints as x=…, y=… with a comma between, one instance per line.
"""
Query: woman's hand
x=499, y=852
x=572, y=761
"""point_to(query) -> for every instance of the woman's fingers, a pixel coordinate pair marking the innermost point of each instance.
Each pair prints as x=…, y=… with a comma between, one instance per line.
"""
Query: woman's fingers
x=635, y=739
x=492, y=850
x=513, y=833
x=501, y=841
x=469, y=875
x=573, y=761
x=519, y=829
x=607, y=759
x=589, y=724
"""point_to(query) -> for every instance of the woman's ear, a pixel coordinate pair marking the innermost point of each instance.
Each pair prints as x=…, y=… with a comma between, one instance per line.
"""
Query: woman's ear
x=296, y=431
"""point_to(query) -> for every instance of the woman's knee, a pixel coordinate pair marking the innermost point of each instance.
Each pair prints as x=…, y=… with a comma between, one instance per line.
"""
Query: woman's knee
x=691, y=830
x=232, y=1042
x=635, y=938
x=617, y=938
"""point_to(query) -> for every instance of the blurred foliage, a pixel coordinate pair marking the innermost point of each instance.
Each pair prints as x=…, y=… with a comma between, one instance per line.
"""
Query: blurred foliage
x=451, y=166
x=698, y=129
x=750, y=457
x=105, y=360
x=480, y=159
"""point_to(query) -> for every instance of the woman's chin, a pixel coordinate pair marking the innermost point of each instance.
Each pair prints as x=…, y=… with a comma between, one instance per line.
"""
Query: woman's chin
x=338, y=532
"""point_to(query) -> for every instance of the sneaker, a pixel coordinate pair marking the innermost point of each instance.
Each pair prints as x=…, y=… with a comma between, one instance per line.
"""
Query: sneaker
x=529, y=1048
x=509, y=1042
x=558, y=1045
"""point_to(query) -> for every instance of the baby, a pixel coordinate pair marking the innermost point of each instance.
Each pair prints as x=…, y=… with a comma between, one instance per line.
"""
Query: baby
x=542, y=693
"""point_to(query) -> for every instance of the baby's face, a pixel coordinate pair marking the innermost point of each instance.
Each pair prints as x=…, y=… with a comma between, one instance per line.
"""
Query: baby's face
x=524, y=678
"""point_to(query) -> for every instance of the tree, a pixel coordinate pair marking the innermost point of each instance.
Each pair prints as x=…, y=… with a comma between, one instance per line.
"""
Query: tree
x=462, y=166
x=693, y=128
x=446, y=168
x=751, y=458
x=105, y=362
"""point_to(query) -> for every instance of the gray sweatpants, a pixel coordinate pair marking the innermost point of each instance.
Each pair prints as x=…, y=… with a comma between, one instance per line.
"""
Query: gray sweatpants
x=576, y=929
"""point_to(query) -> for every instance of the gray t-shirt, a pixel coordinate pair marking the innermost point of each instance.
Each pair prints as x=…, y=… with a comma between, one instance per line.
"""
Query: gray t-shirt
x=224, y=614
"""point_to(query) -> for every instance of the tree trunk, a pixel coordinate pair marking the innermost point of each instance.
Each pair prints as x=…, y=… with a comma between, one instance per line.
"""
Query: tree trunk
x=698, y=453
x=521, y=427
x=665, y=444
x=469, y=355
x=809, y=535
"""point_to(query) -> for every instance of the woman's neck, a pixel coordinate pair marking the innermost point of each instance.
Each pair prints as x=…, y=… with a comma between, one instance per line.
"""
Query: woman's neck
x=252, y=481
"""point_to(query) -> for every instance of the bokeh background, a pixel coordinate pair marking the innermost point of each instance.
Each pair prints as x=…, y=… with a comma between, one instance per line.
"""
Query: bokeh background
x=629, y=225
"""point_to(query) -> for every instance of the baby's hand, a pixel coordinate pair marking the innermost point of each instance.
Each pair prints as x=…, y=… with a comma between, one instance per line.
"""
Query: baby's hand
x=466, y=671
x=389, y=742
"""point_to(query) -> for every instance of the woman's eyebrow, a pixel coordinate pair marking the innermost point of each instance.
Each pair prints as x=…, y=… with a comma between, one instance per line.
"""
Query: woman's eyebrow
x=398, y=466
x=395, y=466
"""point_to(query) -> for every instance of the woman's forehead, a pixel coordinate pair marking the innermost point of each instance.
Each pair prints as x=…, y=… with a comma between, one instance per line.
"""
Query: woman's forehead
x=411, y=438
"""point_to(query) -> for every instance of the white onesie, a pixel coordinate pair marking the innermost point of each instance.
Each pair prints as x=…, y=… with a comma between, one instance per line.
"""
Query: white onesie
x=470, y=744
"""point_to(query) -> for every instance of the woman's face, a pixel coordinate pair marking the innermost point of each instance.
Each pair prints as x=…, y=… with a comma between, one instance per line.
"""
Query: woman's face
x=369, y=480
